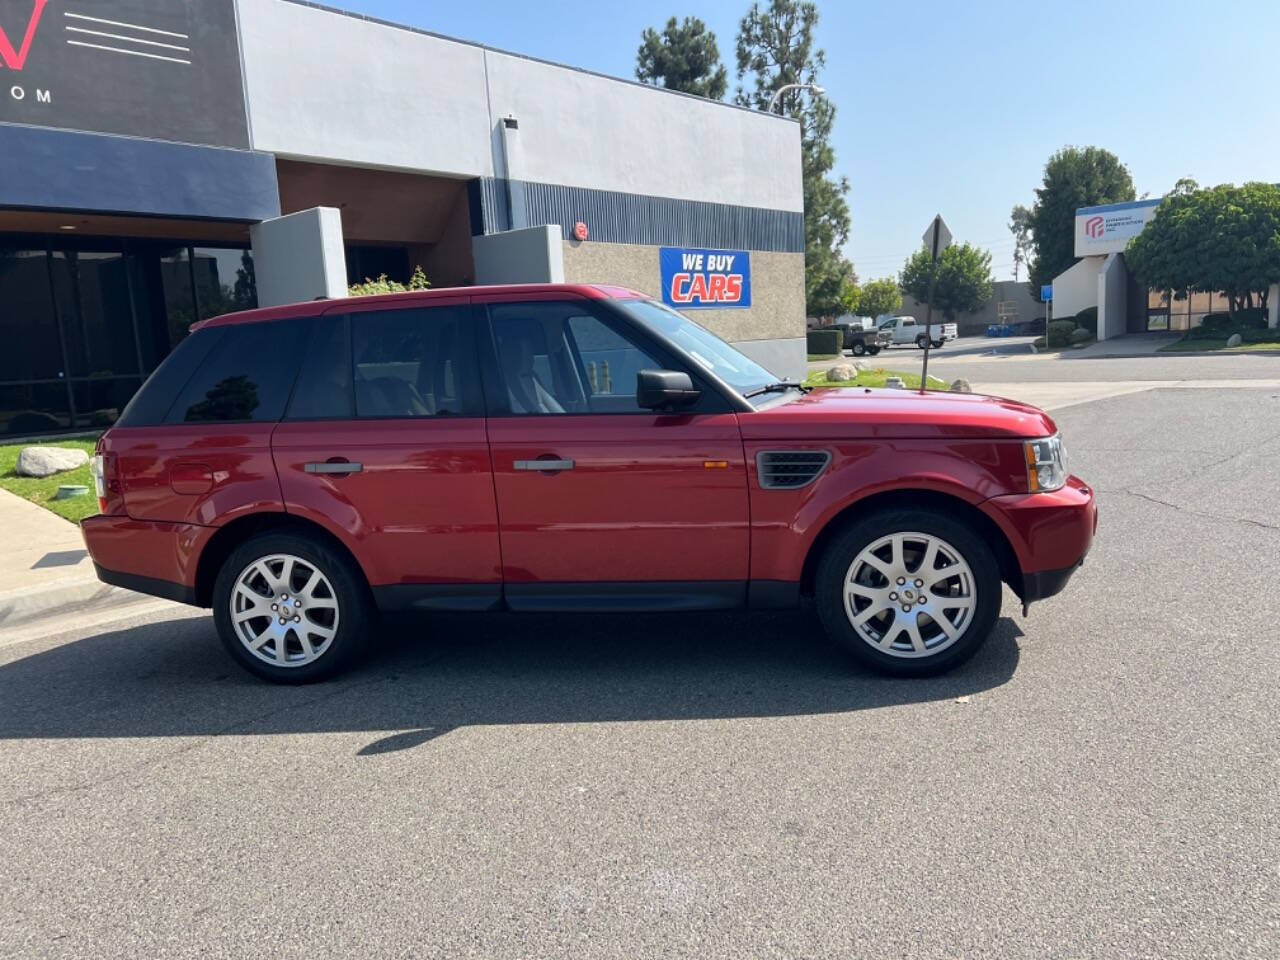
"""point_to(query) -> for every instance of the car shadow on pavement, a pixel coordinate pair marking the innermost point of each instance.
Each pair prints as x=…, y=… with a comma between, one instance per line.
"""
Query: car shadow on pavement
x=432, y=675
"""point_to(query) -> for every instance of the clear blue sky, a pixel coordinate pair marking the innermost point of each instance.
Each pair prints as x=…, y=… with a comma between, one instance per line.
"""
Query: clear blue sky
x=953, y=107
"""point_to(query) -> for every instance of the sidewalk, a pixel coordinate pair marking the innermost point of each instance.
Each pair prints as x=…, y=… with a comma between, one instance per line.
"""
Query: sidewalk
x=47, y=579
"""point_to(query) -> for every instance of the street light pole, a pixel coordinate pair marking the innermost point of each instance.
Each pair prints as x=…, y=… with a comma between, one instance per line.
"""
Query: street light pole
x=777, y=96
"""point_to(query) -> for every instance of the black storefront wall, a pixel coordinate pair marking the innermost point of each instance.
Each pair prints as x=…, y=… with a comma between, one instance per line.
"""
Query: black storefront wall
x=84, y=322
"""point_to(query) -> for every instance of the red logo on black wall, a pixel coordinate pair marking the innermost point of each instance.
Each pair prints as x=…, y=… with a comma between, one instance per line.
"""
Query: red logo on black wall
x=16, y=59
x=1093, y=227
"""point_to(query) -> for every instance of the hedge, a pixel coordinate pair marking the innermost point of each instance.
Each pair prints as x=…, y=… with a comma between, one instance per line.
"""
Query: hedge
x=825, y=340
x=1088, y=318
x=1060, y=332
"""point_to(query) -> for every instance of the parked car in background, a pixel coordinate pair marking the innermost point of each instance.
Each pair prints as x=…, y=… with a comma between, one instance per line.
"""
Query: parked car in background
x=903, y=330
x=861, y=335
x=561, y=447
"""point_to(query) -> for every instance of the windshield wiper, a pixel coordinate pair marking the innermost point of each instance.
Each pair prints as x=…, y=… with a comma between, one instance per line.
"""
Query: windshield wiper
x=779, y=387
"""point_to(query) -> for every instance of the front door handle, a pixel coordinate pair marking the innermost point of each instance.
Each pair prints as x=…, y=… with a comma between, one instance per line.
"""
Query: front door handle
x=334, y=466
x=544, y=466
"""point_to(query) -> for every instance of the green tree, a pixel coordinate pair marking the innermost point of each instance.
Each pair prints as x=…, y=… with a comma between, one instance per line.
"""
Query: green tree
x=878, y=297
x=1223, y=238
x=964, y=278
x=776, y=47
x=1020, y=227
x=685, y=57
x=1074, y=177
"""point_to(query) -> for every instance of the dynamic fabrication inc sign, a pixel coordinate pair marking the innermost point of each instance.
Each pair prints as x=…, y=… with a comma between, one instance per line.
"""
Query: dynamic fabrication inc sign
x=165, y=69
x=694, y=277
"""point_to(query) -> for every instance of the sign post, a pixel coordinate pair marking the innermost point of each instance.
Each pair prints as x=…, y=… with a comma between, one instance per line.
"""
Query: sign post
x=936, y=239
x=1046, y=294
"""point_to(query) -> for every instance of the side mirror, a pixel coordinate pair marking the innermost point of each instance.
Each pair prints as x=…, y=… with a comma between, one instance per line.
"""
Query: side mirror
x=665, y=389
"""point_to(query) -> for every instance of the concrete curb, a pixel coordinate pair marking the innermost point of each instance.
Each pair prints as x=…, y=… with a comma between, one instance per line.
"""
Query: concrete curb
x=19, y=607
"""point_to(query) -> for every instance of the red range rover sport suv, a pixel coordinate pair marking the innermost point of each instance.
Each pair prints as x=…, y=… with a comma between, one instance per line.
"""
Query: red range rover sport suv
x=563, y=448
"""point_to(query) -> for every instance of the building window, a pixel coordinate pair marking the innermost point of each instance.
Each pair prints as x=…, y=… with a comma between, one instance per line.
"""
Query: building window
x=85, y=320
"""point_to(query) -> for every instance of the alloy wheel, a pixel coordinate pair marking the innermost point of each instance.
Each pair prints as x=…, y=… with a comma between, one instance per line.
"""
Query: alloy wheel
x=910, y=594
x=284, y=610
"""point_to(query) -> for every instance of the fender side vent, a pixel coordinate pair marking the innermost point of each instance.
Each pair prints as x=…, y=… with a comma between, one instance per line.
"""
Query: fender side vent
x=790, y=469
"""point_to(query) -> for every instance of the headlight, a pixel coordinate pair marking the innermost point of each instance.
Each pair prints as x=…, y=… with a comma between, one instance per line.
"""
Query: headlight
x=1046, y=464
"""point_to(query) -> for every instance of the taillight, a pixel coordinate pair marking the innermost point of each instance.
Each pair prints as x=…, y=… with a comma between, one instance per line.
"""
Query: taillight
x=106, y=483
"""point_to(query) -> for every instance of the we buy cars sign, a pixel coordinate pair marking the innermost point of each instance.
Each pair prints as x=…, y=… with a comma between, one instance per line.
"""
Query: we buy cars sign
x=705, y=278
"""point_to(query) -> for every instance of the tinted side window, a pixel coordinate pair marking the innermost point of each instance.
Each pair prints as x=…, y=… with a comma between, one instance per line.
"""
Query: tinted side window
x=247, y=376
x=323, y=389
x=415, y=363
x=560, y=358
x=152, y=402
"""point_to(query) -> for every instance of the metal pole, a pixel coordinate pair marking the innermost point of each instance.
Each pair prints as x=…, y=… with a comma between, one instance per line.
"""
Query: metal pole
x=928, y=314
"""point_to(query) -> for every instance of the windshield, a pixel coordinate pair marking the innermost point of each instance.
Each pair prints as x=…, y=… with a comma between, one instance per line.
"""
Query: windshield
x=739, y=371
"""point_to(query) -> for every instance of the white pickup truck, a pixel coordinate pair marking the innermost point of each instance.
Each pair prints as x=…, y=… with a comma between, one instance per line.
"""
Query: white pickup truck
x=909, y=330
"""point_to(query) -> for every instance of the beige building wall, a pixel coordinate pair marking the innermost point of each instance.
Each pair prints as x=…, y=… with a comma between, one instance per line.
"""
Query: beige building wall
x=777, y=287
x=771, y=331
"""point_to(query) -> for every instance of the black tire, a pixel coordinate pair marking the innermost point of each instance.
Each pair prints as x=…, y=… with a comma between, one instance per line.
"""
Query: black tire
x=873, y=350
x=840, y=555
x=858, y=348
x=920, y=341
x=354, y=613
x=937, y=344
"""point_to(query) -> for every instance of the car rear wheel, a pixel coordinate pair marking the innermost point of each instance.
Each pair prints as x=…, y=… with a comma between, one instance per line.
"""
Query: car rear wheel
x=909, y=592
x=858, y=348
x=920, y=341
x=873, y=350
x=290, y=609
x=937, y=344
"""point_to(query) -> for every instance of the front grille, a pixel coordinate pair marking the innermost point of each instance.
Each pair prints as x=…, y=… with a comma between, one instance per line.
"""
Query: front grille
x=790, y=469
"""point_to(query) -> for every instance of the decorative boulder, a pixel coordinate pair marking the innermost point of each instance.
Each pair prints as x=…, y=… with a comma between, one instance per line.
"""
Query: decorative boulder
x=841, y=371
x=894, y=382
x=961, y=386
x=1081, y=335
x=46, y=461
x=1234, y=340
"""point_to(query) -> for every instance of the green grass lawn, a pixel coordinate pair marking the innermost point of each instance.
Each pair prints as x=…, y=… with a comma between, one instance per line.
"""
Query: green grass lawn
x=874, y=378
x=822, y=356
x=41, y=489
x=1214, y=344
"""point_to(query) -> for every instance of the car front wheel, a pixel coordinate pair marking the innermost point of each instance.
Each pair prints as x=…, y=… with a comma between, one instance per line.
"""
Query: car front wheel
x=908, y=592
x=873, y=350
x=920, y=342
x=290, y=608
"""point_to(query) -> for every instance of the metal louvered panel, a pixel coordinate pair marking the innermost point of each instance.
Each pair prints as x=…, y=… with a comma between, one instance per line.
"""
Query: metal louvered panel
x=790, y=469
x=616, y=217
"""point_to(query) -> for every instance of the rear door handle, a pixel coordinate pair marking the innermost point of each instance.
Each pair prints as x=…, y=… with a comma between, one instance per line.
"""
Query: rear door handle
x=338, y=466
x=544, y=466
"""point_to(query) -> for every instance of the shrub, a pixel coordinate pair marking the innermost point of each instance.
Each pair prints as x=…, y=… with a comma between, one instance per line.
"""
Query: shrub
x=1261, y=336
x=1040, y=343
x=825, y=340
x=1081, y=335
x=1088, y=318
x=418, y=281
x=1060, y=332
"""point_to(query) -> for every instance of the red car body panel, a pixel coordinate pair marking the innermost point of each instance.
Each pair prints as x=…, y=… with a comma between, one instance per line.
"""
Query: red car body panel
x=640, y=504
x=1048, y=531
x=421, y=510
x=785, y=523
x=156, y=550
x=860, y=413
x=651, y=497
x=206, y=473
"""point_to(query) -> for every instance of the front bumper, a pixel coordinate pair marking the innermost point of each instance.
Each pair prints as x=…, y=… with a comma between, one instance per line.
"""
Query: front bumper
x=1050, y=533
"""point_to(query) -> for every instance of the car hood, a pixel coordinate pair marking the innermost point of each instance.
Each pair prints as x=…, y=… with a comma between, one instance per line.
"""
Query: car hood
x=856, y=413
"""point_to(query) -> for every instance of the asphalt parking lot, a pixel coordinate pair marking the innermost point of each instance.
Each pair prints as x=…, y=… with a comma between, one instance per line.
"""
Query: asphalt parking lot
x=1101, y=781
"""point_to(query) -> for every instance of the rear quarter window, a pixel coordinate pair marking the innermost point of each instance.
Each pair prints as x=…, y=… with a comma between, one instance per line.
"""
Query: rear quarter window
x=245, y=377
x=150, y=404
